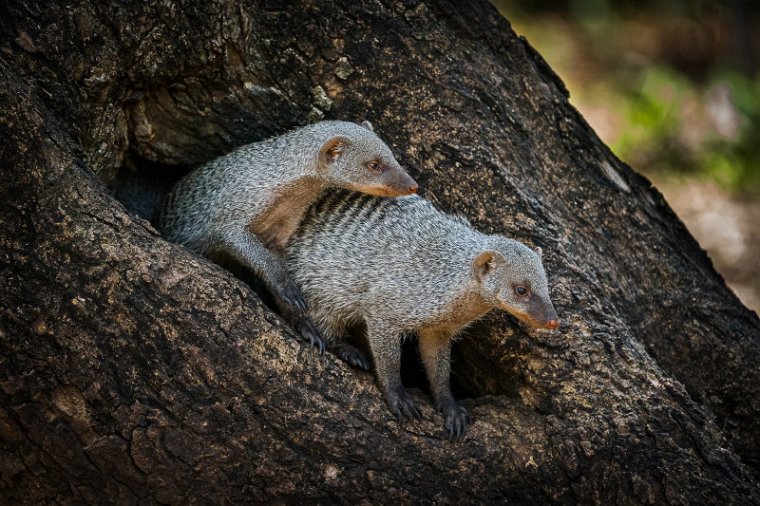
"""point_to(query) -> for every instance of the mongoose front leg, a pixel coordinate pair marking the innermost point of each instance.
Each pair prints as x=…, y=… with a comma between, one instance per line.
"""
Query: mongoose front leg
x=250, y=252
x=435, y=349
x=386, y=350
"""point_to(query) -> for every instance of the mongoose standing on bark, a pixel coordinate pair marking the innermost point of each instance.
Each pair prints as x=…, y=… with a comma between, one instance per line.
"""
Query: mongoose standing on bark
x=401, y=266
x=246, y=204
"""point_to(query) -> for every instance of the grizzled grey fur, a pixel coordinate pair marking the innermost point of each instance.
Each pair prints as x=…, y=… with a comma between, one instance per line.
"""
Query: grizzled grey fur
x=400, y=266
x=246, y=204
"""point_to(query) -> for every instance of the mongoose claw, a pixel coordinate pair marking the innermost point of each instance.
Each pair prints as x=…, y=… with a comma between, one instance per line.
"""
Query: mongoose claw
x=402, y=405
x=306, y=328
x=456, y=420
x=292, y=296
x=359, y=361
x=351, y=354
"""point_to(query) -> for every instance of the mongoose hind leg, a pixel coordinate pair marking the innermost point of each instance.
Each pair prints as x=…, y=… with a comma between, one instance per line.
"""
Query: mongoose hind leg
x=351, y=354
x=435, y=349
x=251, y=253
x=385, y=343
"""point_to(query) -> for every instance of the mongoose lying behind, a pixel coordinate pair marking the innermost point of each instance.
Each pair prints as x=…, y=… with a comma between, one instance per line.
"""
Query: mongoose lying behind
x=246, y=204
x=400, y=266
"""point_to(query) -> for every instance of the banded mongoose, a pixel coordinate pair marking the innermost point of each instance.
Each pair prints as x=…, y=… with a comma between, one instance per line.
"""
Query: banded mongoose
x=401, y=266
x=246, y=204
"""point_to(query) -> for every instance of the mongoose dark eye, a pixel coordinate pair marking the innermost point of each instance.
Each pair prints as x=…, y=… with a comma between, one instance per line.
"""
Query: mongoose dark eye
x=521, y=290
x=375, y=167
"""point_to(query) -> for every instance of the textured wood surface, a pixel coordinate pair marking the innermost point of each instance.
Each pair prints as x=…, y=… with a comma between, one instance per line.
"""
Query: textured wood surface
x=133, y=371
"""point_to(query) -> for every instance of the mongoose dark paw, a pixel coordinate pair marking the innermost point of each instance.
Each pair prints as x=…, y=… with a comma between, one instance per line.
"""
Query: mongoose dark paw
x=351, y=354
x=292, y=296
x=402, y=405
x=456, y=419
x=306, y=328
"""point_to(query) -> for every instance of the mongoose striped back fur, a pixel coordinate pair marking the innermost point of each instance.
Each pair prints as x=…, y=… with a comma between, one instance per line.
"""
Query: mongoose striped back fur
x=400, y=266
x=245, y=205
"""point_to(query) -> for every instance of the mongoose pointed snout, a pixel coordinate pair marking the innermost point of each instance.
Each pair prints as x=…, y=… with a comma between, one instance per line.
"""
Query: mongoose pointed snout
x=552, y=319
x=406, y=185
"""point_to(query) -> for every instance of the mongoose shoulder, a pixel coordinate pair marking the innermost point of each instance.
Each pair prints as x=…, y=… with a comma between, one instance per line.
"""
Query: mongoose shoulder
x=401, y=266
x=246, y=204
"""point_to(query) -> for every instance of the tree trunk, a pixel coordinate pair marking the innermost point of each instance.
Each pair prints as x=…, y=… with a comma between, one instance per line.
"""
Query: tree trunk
x=134, y=371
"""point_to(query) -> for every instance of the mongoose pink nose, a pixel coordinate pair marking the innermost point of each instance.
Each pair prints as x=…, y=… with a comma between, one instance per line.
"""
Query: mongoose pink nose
x=552, y=324
x=413, y=188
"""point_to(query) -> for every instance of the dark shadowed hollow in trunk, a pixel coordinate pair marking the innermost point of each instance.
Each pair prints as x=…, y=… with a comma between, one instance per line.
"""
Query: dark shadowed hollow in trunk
x=135, y=372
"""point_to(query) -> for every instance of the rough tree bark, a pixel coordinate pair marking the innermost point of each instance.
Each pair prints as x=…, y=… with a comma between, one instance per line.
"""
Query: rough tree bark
x=134, y=371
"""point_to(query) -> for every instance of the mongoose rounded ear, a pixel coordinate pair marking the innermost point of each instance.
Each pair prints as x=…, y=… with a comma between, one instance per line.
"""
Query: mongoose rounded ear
x=539, y=251
x=482, y=265
x=366, y=124
x=333, y=148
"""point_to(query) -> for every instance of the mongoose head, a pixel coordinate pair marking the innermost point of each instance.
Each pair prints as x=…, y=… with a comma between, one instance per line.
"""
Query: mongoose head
x=511, y=277
x=358, y=160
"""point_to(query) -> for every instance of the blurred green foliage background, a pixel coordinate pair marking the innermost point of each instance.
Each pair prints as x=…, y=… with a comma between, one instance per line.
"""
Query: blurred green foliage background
x=671, y=86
